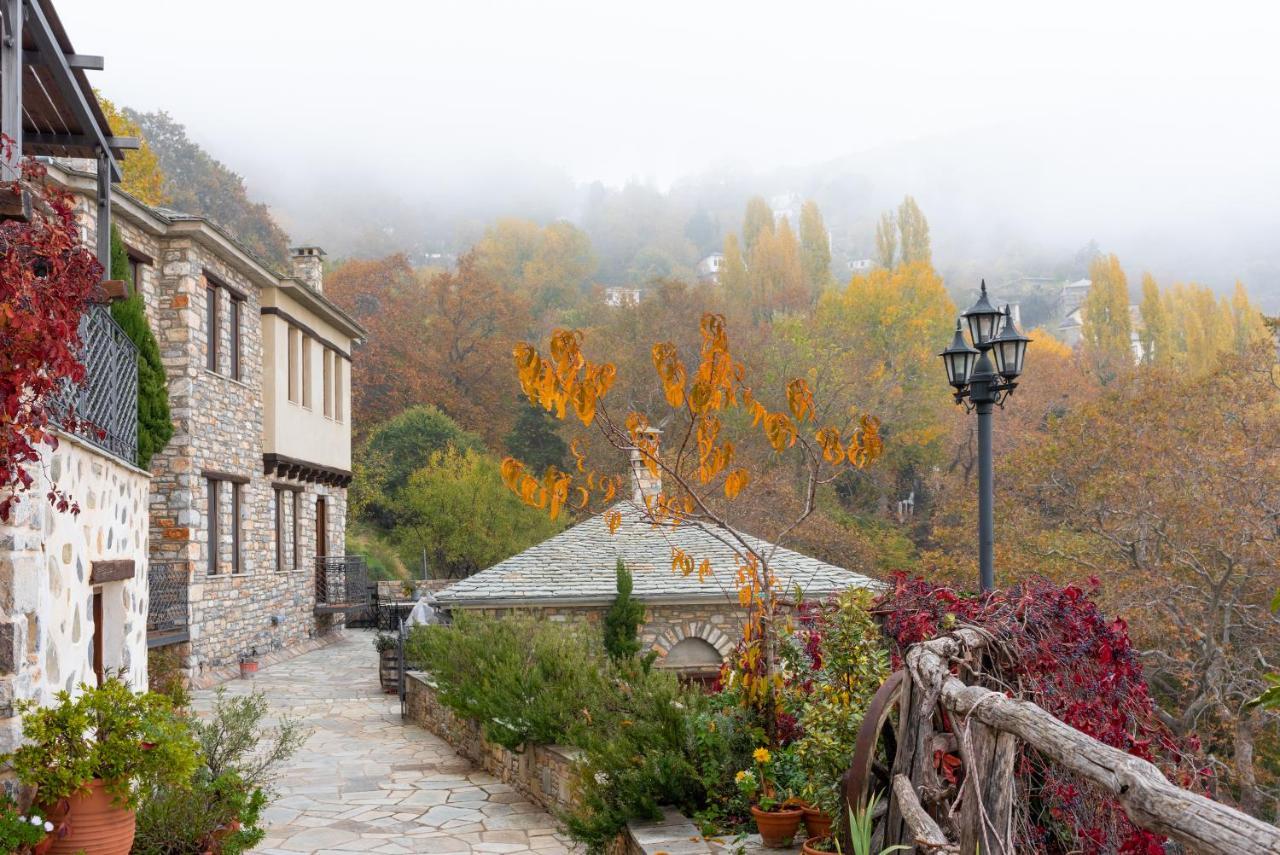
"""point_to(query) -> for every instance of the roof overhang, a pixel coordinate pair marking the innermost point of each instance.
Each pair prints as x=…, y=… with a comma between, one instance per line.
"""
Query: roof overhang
x=712, y=596
x=322, y=306
x=54, y=112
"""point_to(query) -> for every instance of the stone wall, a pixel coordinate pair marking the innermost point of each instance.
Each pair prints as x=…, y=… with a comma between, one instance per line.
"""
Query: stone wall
x=393, y=589
x=46, y=599
x=544, y=774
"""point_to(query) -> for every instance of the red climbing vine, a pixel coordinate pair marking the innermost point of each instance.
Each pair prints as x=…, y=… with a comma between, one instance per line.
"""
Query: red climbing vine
x=1056, y=648
x=47, y=277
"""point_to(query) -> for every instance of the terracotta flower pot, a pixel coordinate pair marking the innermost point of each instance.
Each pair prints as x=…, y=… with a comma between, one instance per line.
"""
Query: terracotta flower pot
x=94, y=823
x=816, y=822
x=248, y=669
x=811, y=845
x=777, y=827
x=43, y=847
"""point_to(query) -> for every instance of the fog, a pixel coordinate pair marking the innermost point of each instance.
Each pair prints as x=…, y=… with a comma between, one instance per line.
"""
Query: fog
x=1151, y=128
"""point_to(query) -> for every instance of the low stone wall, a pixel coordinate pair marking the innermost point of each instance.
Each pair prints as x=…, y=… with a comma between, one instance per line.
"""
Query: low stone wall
x=543, y=774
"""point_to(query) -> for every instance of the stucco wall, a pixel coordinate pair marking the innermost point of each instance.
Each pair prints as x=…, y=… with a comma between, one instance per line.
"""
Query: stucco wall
x=46, y=601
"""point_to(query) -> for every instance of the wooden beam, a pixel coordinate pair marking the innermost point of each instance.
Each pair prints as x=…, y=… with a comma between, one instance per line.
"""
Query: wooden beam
x=68, y=86
x=82, y=140
x=11, y=91
x=926, y=833
x=85, y=61
x=15, y=201
x=104, y=211
x=110, y=571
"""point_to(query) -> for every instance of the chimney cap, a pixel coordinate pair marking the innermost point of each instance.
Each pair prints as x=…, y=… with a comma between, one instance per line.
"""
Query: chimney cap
x=302, y=251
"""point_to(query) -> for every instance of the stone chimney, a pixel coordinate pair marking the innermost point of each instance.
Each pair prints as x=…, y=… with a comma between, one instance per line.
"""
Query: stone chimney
x=643, y=483
x=308, y=267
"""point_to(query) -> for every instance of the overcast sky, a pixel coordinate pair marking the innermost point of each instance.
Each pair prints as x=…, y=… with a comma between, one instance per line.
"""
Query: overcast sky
x=1067, y=114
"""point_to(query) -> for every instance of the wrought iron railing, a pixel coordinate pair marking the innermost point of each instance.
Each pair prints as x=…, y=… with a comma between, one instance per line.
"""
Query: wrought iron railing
x=168, y=589
x=342, y=583
x=105, y=405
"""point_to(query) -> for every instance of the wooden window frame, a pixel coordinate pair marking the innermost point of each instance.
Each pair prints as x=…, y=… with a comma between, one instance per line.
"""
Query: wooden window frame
x=306, y=372
x=236, y=317
x=213, y=328
x=214, y=533
x=237, y=564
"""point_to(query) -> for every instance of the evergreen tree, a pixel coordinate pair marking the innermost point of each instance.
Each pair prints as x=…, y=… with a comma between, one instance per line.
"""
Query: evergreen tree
x=913, y=233
x=534, y=440
x=623, y=619
x=886, y=241
x=815, y=248
x=155, y=426
x=757, y=220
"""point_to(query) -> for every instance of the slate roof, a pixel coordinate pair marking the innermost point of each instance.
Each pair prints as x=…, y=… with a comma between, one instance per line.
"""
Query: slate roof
x=577, y=567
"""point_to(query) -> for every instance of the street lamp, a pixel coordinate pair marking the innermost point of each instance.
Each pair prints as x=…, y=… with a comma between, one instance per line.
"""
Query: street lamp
x=983, y=375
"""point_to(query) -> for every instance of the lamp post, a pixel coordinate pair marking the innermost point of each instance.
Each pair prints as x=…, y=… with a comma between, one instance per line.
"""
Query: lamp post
x=983, y=374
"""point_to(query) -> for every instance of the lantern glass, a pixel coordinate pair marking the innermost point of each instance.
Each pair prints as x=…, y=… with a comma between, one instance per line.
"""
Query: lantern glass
x=959, y=359
x=983, y=320
x=1009, y=349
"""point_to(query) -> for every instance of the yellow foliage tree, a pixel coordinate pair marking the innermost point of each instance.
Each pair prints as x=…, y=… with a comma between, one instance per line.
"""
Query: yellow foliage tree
x=913, y=233
x=142, y=176
x=1107, y=329
x=775, y=274
x=756, y=221
x=886, y=240
x=1156, y=335
x=815, y=248
x=707, y=406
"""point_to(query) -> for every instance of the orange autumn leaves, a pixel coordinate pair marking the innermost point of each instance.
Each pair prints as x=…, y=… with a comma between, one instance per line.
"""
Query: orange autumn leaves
x=564, y=381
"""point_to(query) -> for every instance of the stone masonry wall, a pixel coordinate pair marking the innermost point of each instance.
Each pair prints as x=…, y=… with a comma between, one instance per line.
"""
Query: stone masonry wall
x=544, y=773
x=46, y=600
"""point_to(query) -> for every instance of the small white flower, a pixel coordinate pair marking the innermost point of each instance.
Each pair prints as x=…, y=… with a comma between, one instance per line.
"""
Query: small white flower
x=601, y=778
x=35, y=820
x=677, y=705
x=48, y=826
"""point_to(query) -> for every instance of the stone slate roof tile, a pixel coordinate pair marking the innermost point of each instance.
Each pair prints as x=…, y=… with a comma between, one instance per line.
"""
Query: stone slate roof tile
x=578, y=566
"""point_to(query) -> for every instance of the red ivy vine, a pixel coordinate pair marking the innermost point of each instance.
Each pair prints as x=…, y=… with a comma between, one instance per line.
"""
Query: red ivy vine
x=46, y=280
x=1077, y=664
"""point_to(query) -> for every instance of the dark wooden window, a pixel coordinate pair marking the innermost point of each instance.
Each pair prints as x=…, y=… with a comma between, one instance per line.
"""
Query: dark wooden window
x=211, y=494
x=212, y=332
x=236, y=563
x=286, y=529
x=237, y=305
x=99, y=635
x=293, y=531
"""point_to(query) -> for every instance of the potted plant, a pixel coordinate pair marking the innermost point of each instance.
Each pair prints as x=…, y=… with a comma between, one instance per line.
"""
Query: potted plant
x=88, y=756
x=249, y=664
x=777, y=816
x=22, y=833
x=388, y=647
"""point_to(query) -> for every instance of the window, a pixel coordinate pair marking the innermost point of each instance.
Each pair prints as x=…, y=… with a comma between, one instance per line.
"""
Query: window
x=237, y=304
x=214, y=530
x=235, y=489
x=294, y=377
x=306, y=371
x=286, y=529
x=211, y=329
x=328, y=382
x=135, y=274
x=337, y=387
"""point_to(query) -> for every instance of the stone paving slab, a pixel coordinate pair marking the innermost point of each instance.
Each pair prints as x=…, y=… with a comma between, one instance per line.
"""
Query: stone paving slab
x=367, y=782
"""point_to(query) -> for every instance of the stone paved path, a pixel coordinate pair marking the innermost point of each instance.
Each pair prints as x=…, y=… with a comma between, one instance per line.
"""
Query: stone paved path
x=366, y=782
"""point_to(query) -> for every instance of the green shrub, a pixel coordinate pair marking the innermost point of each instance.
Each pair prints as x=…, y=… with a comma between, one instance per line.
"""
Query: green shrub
x=155, y=425
x=525, y=681
x=129, y=740
x=232, y=784
x=623, y=619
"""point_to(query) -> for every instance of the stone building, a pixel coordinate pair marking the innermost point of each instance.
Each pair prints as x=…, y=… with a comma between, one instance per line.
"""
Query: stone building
x=691, y=624
x=248, y=499
x=73, y=586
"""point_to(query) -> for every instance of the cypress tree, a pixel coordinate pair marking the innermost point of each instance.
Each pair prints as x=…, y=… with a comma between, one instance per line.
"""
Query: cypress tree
x=623, y=619
x=155, y=426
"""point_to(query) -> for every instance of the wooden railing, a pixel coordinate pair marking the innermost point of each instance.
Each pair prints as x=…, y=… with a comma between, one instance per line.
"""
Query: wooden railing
x=988, y=729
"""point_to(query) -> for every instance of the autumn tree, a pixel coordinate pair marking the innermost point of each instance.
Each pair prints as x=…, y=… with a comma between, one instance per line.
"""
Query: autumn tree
x=775, y=273
x=141, y=175
x=457, y=512
x=705, y=406
x=886, y=240
x=1107, y=330
x=733, y=272
x=1173, y=508
x=913, y=233
x=815, y=248
x=547, y=266
x=756, y=221
x=1156, y=336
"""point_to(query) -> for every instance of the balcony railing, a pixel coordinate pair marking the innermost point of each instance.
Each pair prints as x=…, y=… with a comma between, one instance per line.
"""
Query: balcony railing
x=168, y=587
x=105, y=405
x=342, y=584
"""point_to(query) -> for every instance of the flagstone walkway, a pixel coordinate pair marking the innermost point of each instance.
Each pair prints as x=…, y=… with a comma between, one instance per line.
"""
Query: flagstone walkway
x=367, y=782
